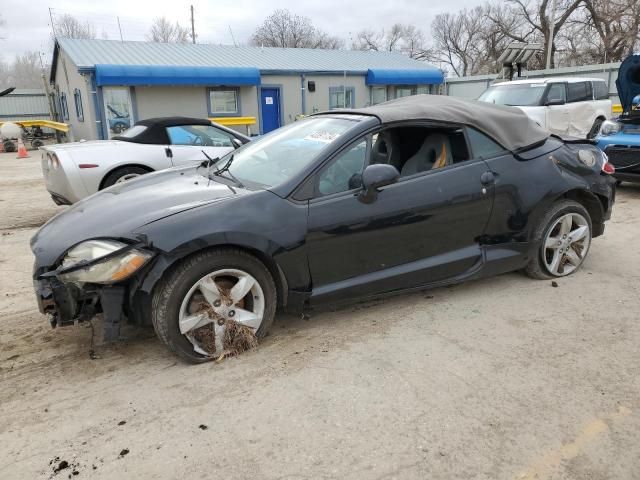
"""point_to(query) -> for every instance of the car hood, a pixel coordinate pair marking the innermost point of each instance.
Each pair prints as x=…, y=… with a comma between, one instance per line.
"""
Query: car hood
x=628, y=82
x=118, y=211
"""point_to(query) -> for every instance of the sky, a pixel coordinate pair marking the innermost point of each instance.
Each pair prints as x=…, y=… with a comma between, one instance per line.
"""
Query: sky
x=28, y=25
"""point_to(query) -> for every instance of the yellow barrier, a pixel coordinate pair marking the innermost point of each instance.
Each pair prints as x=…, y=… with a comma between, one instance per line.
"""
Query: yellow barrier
x=617, y=108
x=61, y=127
x=234, y=121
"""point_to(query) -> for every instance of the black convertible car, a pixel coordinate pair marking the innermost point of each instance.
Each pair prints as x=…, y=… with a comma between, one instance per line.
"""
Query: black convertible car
x=418, y=192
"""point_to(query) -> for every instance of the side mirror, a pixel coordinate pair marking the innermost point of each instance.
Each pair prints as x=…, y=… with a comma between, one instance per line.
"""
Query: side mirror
x=236, y=143
x=375, y=177
x=554, y=101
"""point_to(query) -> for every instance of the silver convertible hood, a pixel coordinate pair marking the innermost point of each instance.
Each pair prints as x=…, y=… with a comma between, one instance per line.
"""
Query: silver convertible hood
x=118, y=211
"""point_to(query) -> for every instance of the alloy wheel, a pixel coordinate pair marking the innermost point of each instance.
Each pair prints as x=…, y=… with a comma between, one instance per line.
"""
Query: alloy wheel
x=214, y=302
x=566, y=244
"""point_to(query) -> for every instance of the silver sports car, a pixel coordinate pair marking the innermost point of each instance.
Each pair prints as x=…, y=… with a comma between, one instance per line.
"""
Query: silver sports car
x=73, y=171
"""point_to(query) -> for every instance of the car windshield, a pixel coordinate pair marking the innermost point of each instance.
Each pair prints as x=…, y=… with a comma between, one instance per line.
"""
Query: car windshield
x=283, y=153
x=521, y=95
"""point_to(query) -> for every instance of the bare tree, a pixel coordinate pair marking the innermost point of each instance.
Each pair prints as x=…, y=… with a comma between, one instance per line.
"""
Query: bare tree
x=163, y=31
x=401, y=38
x=616, y=24
x=284, y=29
x=460, y=39
x=23, y=72
x=68, y=26
x=534, y=14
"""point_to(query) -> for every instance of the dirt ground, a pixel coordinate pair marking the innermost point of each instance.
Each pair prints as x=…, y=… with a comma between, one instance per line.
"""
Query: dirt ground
x=506, y=378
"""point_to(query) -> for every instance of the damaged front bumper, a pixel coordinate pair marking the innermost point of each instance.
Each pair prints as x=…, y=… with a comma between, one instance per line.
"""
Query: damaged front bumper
x=65, y=303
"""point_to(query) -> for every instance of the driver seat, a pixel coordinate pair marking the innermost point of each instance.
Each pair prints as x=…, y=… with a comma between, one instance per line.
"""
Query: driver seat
x=386, y=149
x=435, y=152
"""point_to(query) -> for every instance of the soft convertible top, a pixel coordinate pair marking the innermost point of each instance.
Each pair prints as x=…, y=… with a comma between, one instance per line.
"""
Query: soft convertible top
x=509, y=126
x=156, y=133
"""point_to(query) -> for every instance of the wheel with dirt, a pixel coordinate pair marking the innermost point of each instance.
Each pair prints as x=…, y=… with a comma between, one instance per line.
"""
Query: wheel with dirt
x=595, y=129
x=563, y=237
x=122, y=175
x=212, y=304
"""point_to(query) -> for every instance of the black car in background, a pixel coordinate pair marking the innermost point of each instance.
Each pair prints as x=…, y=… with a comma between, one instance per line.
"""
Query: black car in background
x=418, y=192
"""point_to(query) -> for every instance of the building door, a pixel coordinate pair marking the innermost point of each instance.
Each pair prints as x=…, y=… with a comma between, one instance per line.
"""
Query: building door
x=270, y=101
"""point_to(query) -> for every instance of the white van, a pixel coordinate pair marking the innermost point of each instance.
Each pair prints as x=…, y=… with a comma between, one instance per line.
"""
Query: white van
x=564, y=105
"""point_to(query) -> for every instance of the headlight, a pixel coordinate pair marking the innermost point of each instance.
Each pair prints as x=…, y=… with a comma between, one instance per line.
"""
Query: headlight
x=114, y=268
x=609, y=128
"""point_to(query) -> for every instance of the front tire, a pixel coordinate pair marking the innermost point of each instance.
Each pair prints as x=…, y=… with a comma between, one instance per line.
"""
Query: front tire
x=204, y=282
x=562, y=240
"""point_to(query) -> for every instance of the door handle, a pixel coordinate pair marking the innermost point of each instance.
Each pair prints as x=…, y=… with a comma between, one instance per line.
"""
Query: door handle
x=169, y=152
x=487, y=178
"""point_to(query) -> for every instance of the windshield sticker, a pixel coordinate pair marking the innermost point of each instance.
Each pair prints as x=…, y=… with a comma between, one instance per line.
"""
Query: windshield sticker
x=322, y=136
x=538, y=85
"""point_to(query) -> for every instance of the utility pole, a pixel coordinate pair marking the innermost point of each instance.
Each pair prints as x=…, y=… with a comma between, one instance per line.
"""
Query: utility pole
x=120, y=28
x=53, y=27
x=193, y=28
x=551, y=31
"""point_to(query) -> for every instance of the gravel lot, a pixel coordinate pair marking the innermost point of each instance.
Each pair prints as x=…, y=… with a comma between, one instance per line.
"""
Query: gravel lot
x=506, y=378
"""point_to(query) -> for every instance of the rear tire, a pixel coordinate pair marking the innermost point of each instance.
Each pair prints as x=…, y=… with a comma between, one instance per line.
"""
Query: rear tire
x=550, y=240
x=178, y=284
x=123, y=174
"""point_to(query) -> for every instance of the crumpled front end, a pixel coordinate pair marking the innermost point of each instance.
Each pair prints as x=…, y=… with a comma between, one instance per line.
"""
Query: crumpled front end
x=94, y=276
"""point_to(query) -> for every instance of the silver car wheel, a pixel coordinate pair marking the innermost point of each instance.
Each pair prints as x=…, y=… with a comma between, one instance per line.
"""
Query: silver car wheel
x=228, y=294
x=126, y=177
x=566, y=244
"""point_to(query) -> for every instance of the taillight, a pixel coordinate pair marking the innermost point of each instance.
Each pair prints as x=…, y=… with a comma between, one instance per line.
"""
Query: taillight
x=608, y=168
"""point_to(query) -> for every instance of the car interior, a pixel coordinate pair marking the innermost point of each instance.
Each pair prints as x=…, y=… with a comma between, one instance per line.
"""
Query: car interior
x=411, y=150
x=418, y=149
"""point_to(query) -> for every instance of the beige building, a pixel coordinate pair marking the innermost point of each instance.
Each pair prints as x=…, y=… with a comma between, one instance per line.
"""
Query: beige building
x=103, y=86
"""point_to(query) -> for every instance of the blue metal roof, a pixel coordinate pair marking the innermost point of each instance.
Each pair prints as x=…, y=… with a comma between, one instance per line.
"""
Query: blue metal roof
x=175, y=75
x=382, y=76
x=89, y=53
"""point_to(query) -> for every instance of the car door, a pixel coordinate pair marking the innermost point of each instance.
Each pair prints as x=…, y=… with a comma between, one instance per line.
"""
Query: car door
x=420, y=230
x=558, y=116
x=189, y=141
x=582, y=112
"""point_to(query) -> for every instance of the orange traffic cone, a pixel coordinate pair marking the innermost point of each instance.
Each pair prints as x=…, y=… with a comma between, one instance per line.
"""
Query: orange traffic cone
x=22, y=150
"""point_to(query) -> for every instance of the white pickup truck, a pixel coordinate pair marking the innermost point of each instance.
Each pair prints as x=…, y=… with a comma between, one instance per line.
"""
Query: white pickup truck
x=564, y=105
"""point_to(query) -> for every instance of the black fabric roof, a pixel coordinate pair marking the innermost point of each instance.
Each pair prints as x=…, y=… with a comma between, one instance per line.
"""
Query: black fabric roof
x=156, y=133
x=509, y=126
x=173, y=121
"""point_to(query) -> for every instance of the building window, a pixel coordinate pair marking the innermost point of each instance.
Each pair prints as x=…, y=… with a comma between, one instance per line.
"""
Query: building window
x=405, y=91
x=423, y=90
x=64, y=108
x=378, y=95
x=77, y=99
x=341, y=97
x=223, y=101
x=118, y=109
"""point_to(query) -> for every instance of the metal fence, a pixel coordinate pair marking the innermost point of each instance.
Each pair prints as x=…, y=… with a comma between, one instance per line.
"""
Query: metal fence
x=24, y=104
x=472, y=87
